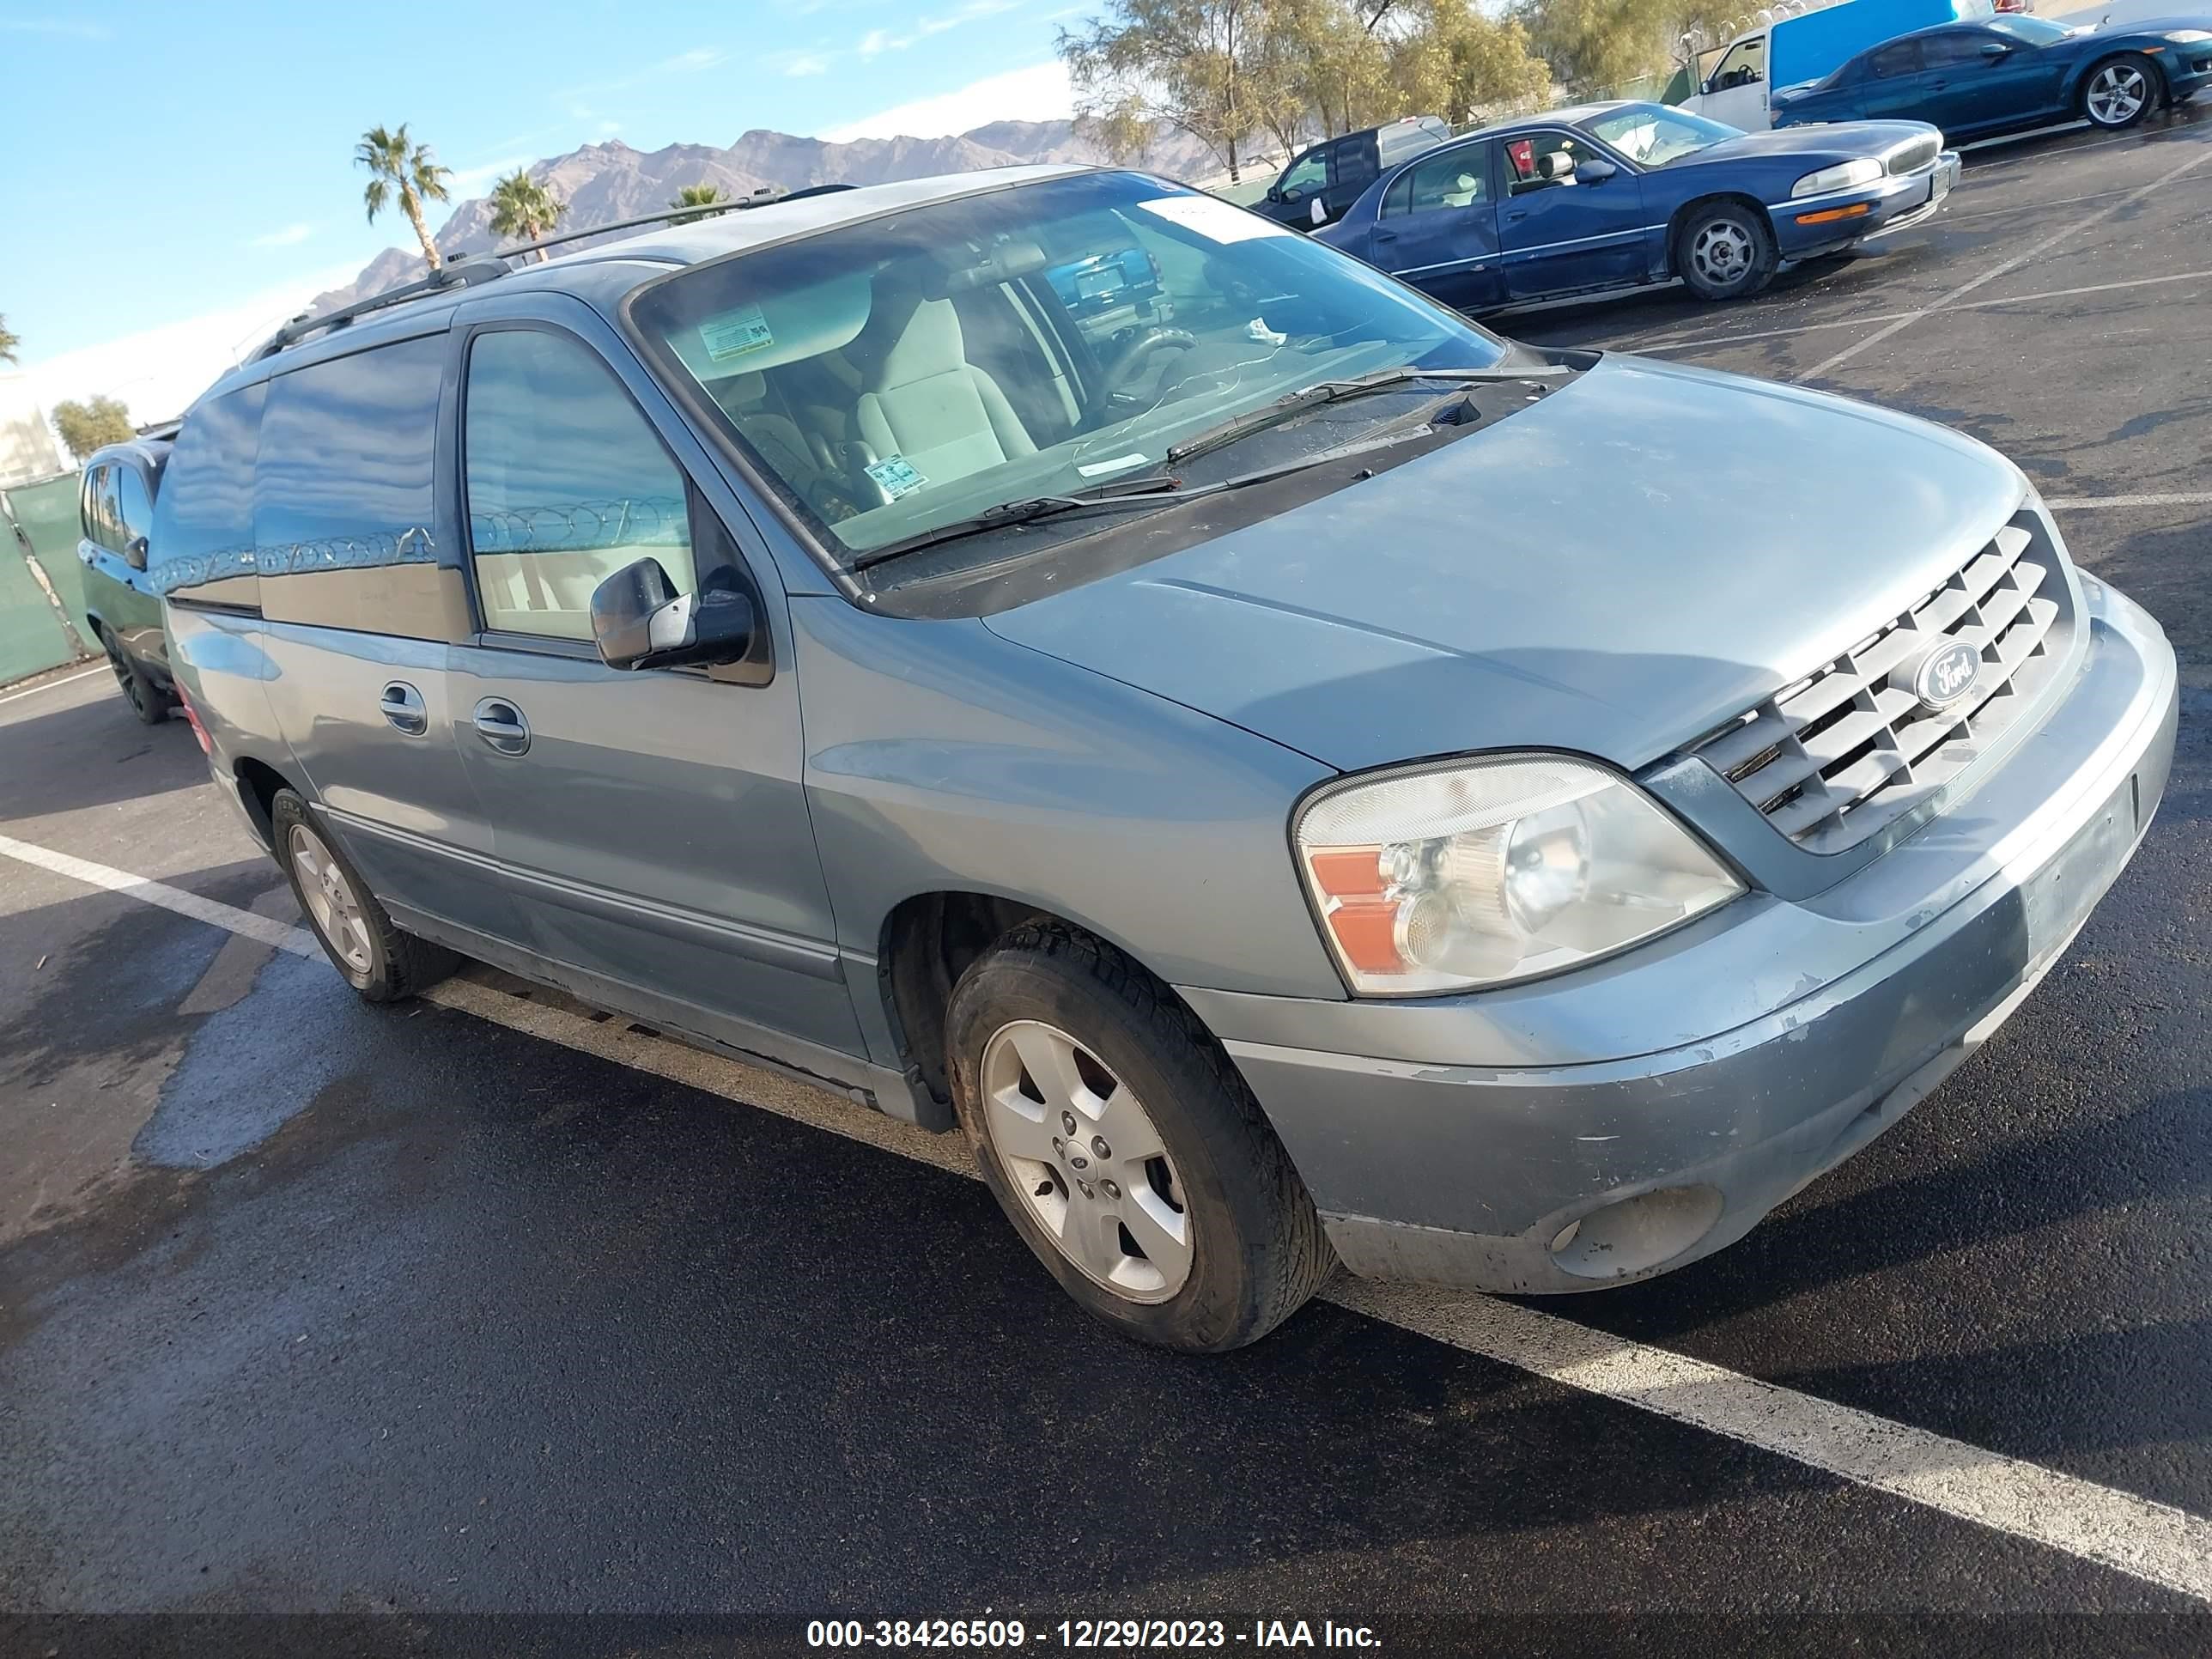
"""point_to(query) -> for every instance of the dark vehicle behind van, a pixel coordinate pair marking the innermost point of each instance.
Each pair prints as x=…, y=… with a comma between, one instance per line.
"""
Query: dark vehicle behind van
x=1323, y=180
x=116, y=502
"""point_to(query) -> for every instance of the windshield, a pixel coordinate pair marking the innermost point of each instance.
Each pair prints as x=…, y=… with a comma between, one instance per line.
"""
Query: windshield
x=908, y=372
x=1652, y=135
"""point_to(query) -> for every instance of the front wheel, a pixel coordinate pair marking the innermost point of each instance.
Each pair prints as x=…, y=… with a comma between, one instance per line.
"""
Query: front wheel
x=1726, y=252
x=1124, y=1146
x=363, y=943
x=2120, y=92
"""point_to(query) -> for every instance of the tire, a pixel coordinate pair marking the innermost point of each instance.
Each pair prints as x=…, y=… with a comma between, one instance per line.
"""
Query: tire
x=1725, y=251
x=1235, y=1247
x=2119, y=91
x=148, y=701
x=369, y=950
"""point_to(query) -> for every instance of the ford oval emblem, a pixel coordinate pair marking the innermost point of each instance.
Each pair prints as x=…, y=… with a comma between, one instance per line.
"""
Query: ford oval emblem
x=1947, y=674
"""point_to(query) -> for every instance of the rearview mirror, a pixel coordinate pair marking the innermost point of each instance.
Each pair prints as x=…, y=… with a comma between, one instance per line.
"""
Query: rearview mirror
x=134, y=552
x=1594, y=170
x=639, y=621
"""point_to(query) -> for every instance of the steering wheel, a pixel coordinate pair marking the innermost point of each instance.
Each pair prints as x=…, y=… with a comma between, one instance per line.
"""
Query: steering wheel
x=1139, y=352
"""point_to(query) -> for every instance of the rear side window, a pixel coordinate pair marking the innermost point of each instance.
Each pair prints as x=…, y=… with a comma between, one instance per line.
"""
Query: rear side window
x=1354, y=161
x=134, y=507
x=567, y=483
x=1456, y=180
x=342, y=491
x=1897, y=57
x=99, y=507
x=204, y=522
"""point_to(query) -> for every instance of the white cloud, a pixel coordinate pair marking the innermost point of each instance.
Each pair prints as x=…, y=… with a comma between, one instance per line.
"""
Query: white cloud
x=156, y=372
x=1040, y=92
x=809, y=62
x=878, y=40
x=699, y=57
x=290, y=236
x=474, y=181
x=609, y=126
x=69, y=27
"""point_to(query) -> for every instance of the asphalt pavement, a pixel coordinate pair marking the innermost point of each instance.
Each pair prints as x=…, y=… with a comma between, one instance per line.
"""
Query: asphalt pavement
x=406, y=1318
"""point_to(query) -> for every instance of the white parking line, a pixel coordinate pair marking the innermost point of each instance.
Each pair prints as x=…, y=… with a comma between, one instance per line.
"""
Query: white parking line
x=66, y=679
x=1692, y=342
x=2152, y=1541
x=2086, y=503
x=2002, y=266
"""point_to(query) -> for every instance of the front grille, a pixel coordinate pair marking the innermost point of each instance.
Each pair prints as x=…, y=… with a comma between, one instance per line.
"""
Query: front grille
x=1833, y=758
x=1914, y=154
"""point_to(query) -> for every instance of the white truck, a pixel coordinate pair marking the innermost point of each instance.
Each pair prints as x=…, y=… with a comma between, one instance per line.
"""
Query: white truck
x=1733, y=83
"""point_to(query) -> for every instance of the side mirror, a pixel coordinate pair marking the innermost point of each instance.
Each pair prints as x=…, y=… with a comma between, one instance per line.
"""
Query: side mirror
x=1594, y=170
x=1275, y=192
x=639, y=621
x=134, y=552
x=1993, y=50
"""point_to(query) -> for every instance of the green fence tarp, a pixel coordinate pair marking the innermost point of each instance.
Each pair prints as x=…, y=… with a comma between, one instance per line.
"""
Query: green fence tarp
x=32, y=638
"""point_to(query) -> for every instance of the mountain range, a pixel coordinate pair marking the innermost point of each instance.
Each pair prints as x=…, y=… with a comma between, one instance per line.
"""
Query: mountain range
x=607, y=182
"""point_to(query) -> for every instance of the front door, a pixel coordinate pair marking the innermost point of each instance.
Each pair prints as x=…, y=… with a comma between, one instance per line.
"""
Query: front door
x=1979, y=80
x=1438, y=228
x=1559, y=233
x=651, y=825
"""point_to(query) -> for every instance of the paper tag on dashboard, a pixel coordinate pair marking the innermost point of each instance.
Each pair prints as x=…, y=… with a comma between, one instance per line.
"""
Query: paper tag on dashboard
x=1212, y=218
x=897, y=476
x=735, y=333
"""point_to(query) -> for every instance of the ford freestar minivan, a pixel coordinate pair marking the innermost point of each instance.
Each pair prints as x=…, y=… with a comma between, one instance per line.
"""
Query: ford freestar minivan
x=1299, y=782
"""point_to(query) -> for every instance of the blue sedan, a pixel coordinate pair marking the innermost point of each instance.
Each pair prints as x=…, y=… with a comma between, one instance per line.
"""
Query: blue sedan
x=2005, y=74
x=1611, y=194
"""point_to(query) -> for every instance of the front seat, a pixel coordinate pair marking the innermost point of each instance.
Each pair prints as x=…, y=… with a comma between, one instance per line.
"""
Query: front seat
x=923, y=401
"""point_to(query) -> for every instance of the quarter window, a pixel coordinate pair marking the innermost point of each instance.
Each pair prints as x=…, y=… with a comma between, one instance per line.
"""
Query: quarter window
x=203, y=521
x=567, y=483
x=134, y=515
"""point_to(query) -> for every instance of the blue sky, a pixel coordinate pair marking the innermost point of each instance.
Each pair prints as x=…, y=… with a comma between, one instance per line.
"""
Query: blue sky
x=171, y=164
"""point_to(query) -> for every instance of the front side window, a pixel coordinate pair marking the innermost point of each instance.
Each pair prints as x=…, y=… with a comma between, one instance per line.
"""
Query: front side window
x=1309, y=173
x=1652, y=135
x=1943, y=50
x=567, y=483
x=1743, y=65
x=1545, y=158
x=897, y=376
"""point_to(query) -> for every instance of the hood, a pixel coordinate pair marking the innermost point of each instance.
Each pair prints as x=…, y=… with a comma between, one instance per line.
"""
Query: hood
x=1843, y=140
x=1616, y=570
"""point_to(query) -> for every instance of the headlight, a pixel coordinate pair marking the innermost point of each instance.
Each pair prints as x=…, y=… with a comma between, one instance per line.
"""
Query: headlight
x=1483, y=871
x=1864, y=171
x=2188, y=37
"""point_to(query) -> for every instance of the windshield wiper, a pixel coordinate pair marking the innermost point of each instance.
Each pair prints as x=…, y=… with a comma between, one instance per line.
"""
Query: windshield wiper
x=1128, y=492
x=1290, y=406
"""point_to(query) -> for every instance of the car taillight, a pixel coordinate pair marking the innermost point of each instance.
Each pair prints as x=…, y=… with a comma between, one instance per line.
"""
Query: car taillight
x=192, y=718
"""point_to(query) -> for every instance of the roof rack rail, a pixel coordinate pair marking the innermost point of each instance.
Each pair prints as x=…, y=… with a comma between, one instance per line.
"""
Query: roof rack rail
x=457, y=273
x=465, y=271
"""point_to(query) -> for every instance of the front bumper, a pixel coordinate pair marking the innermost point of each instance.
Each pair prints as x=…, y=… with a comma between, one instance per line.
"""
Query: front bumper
x=1433, y=1153
x=1813, y=225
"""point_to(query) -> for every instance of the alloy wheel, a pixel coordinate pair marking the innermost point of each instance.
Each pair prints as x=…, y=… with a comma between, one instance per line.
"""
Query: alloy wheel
x=332, y=901
x=1722, y=252
x=2117, y=93
x=125, y=677
x=1079, y=1147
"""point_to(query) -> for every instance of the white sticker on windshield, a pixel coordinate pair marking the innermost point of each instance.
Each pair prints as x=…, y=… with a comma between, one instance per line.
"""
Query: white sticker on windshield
x=1119, y=463
x=897, y=476
x=735, y=333
x=1212, y=218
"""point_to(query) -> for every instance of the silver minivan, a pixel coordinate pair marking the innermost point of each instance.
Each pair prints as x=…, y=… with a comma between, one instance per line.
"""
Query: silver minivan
x=1296, y=784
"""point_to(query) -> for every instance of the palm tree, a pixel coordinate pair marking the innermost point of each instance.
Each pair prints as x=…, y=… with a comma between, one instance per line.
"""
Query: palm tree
x=397, y=167
x=697, y=196
x=8, y=342
x=524, y=209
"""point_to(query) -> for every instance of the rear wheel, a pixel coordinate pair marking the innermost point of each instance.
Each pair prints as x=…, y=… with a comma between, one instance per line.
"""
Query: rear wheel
x=364, y=944
x=1726, y=252
x=1125, y=1147
x=148, y=701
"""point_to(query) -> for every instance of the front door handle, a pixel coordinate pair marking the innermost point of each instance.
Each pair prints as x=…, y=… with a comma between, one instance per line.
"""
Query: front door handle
x=403, y=708
x=500, y=724
x=1516, y=215
x=1382, y=235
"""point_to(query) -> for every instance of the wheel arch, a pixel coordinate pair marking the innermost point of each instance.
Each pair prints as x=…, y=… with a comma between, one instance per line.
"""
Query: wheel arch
x=258, y=783
x=2077, y=93
x=926, y=942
